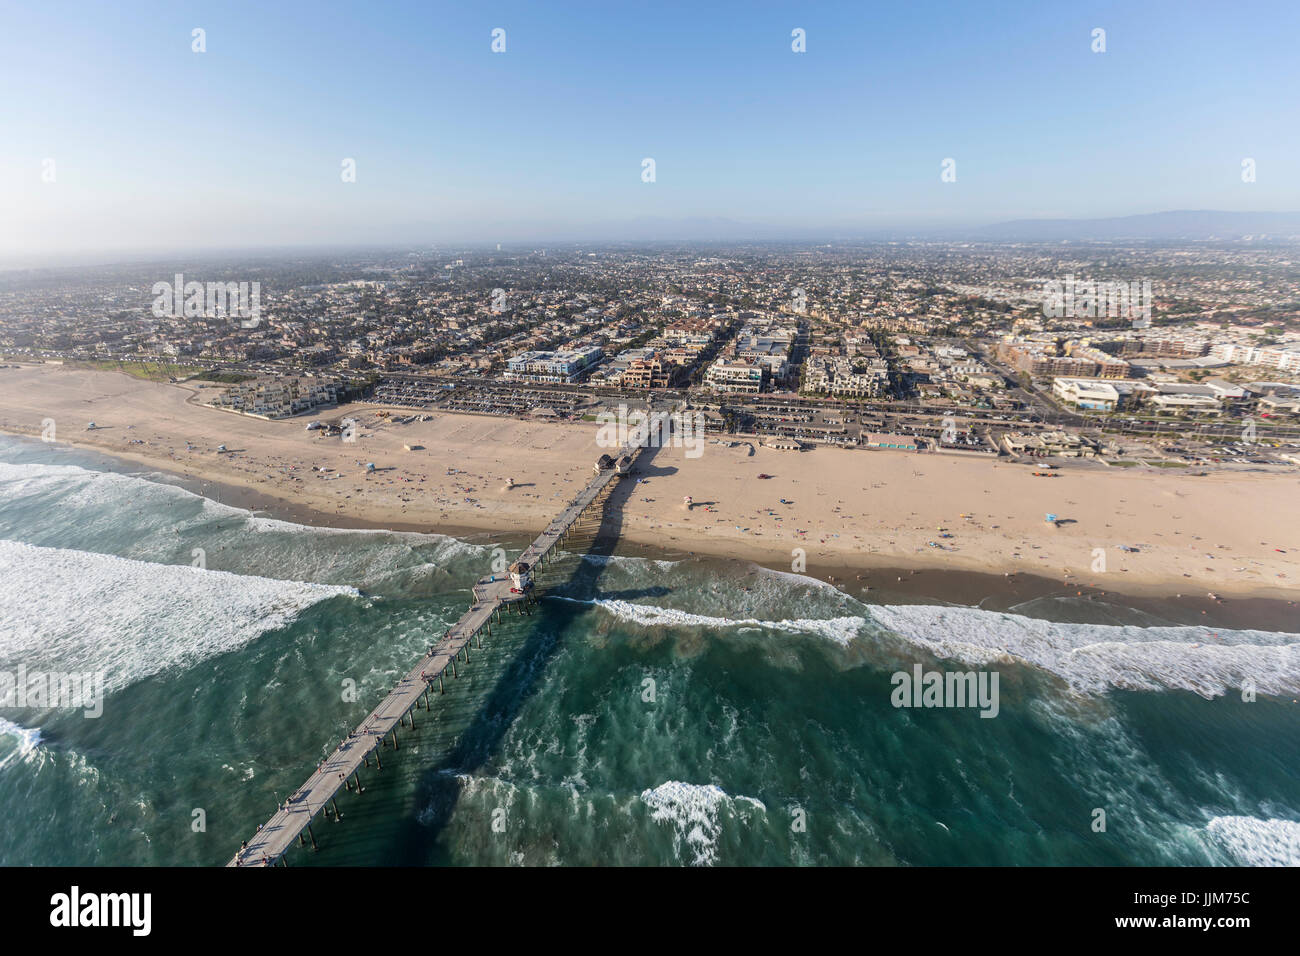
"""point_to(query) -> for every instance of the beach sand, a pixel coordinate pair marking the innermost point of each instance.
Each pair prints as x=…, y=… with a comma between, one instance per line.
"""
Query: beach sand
x=1230, y=533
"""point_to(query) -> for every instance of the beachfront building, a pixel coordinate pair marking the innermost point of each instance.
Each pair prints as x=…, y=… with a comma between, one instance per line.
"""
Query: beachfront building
x=1088, y=394
x=649, y=372
x=546, y=366
x=280, y=397
x=900, y=442
x=644, y=367
x=846, y=378
x=1098, y=395
x=1179, y=402
x=783, y=444
x=611, y=371
x=1046, y=444
x=1169, y=398
x=736, y=375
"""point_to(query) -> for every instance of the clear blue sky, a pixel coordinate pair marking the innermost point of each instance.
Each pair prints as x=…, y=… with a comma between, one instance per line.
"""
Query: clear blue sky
x=157, y=146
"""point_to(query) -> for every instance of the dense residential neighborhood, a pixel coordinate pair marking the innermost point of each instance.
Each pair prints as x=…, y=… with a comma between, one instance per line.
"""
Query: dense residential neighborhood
x=939, y=346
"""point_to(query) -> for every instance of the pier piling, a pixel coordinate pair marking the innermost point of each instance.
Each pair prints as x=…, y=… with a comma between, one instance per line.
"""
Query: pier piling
x=493, y=598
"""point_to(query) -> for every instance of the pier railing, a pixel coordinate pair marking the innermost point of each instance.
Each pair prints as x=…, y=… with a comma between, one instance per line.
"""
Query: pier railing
x=493, y=596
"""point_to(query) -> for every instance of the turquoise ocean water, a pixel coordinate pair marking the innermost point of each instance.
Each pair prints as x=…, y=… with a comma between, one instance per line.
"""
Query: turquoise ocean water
x=653, y=712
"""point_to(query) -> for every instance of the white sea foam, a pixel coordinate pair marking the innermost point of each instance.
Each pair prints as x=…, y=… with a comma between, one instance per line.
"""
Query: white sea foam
x=90, y=509
x=95, y=489
x=791, y=577
x=263, y=524
x=628, y=561
x=838, y=629
x=26, y=741
x=1091, y=658
x=36, y=472
x=78, y=611
x=87, y=486
x=1094, y=658
x=1256, y=842
x=693, y=810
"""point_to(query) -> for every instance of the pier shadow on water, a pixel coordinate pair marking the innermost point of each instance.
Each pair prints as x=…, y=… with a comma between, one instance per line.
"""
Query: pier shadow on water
x=412, y=803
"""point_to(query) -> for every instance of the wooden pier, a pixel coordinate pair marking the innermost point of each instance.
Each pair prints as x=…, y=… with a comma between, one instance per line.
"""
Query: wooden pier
x=493, y=594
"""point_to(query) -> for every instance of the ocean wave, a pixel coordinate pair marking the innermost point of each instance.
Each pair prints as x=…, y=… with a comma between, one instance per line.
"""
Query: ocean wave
x=94, y=487
x=628, y=561
x=1094, y=658
x=1091, y=658
x=136, y=517
x=266, y=525
x=694, y=812
x=841, y=630
x=91, y=488
x=78, y=611
x=791, y=577
x=1256, y=842
x=27, y=740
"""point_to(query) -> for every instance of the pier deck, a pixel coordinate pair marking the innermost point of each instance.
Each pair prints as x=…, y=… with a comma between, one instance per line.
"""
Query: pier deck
x=491, y=593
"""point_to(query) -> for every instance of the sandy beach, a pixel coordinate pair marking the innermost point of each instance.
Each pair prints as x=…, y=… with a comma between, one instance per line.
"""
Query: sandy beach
x=1230, y=533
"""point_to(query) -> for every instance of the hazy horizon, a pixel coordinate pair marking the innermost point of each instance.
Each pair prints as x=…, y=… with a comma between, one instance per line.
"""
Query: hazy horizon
x=133, y=142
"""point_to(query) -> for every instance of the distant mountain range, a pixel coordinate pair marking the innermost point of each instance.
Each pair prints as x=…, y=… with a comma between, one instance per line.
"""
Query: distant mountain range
x=1179, y=224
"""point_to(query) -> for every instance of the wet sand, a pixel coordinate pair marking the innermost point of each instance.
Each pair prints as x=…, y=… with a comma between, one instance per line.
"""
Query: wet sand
x=869, y=583
x=1237, y=535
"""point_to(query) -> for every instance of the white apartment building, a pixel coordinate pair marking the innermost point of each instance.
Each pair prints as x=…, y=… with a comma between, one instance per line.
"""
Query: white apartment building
x=736, y=375
x=544, y=366
x=836, y=376
x=1284, y=358
x=1094, y=394
x=278, y=398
